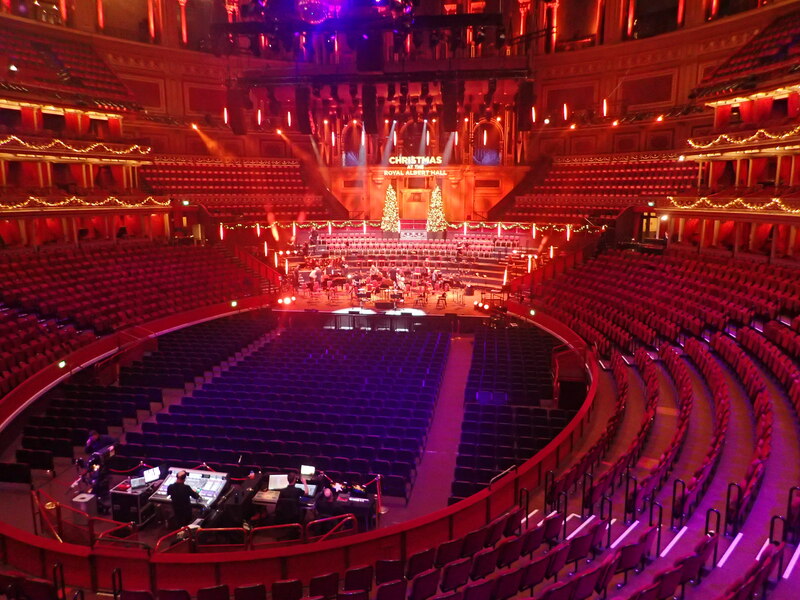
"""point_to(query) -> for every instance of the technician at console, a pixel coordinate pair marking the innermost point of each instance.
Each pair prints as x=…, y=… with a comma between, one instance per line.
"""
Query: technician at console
x=181, y=495
x=287, y=509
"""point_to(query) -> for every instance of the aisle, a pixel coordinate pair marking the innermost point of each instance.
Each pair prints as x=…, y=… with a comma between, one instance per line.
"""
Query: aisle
x=435, y=471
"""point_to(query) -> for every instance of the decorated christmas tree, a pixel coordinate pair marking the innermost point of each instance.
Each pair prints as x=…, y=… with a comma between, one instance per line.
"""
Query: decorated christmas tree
x=436, y=220
x=390, y=221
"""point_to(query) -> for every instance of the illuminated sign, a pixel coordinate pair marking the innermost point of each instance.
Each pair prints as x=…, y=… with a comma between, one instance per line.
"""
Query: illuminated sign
x=416, y=166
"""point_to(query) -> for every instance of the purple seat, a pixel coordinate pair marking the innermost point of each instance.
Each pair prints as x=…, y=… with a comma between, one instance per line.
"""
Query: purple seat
x=587, y=581
x=393, y=590
x=513, y=522
x=353, y=595
x=509, y=551
x=358, y=578
x=173, y=595
x=326, y=585
x=448, y=551
x=456, y=574
x=425, y=585
x=387, y=570
x=534, y=572
x=484, y=563
x=558, y=558
x=124, y=595
x=668, y=581
x=474, y=541
x=287, y=589
x=480, y=590
x=218, y=592
x=250, y=592
x=508, y=583
x=579, y=548
x=419, y=562
x=558, y=591
x=552, y=528
x=531, y=540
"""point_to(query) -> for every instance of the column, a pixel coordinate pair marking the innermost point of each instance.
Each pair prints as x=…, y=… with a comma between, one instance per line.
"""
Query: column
x=167, y=233
x=100, y=16
x=715, y=234
x=778, y=171
x=773, y=247
x=749, y=172
x=702, y=236
x=792, y=240
x=681, y=224
x=184, y=31
x=737, y=237
x=751, y=243
x=738, y=171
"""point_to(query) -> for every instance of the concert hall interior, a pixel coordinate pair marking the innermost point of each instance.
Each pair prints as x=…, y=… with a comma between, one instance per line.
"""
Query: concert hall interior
x=399, y=299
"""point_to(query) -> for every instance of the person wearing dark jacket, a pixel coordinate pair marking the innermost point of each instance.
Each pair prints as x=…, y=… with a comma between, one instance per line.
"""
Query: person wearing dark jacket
x=181, y=496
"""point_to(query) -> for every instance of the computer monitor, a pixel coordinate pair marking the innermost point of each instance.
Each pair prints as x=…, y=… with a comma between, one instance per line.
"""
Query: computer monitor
x=138, y=482
x=151, y=475
x=307, y=470
x=278, y=482
x=312, y=489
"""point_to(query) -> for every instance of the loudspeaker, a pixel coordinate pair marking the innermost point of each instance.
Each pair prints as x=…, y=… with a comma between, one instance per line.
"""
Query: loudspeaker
x=236, y=102
x=370, y=101
x=525, y=101
x=449, y=105
x=369, y=53
x=302, y=95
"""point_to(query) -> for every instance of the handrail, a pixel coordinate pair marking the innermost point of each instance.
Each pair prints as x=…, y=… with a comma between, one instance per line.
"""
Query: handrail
x=162, y=540
x=791, y=515
x=200, y=532
x=653, y=505
x=116, y=582
x=677, y=506
x=715, y=531
x=499, y=476
x=43, y=519
x=348, y=518
x=606, y=501
x=586, y=504
x=549, y=483
x=630, y=497
x=772, y=521
x=732, y=516
x=296, y=538
x=58, y=581
x=527, y=494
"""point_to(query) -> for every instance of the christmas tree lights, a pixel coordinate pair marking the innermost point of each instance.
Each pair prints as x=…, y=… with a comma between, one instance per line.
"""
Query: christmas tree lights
x=390, y=221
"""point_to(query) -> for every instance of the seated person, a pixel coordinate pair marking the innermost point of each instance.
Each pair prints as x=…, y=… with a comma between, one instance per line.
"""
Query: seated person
x=287, y=509
x=97, y=442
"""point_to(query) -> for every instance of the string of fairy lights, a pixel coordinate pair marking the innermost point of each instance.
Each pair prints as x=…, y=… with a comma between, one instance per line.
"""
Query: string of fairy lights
x=84, y=149
x=704, y=202
x=760, y=135
x=464, y=226
x=34, y=202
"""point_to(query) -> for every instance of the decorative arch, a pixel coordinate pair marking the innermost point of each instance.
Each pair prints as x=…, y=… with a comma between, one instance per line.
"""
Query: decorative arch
x=487, y=143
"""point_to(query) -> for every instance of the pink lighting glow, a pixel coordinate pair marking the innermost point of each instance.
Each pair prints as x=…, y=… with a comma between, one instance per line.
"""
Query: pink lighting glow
x=266, y=248
x=221, y=232
x=258, y=229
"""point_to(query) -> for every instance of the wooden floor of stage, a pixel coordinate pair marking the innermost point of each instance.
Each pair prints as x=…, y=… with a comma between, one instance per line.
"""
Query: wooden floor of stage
x=456, y=302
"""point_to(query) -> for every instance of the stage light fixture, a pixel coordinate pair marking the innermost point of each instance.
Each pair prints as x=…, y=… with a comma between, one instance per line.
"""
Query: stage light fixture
x=279, y=131
x=194, y=126
x=660, y=118
x=62, y=364
x=234, y=304
x=280, y=300
x=651, y=203
x=185, y=202
x=547, y=121
x=533, y=313
x=614, y=123
x=13, y=68
x=665, y=217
